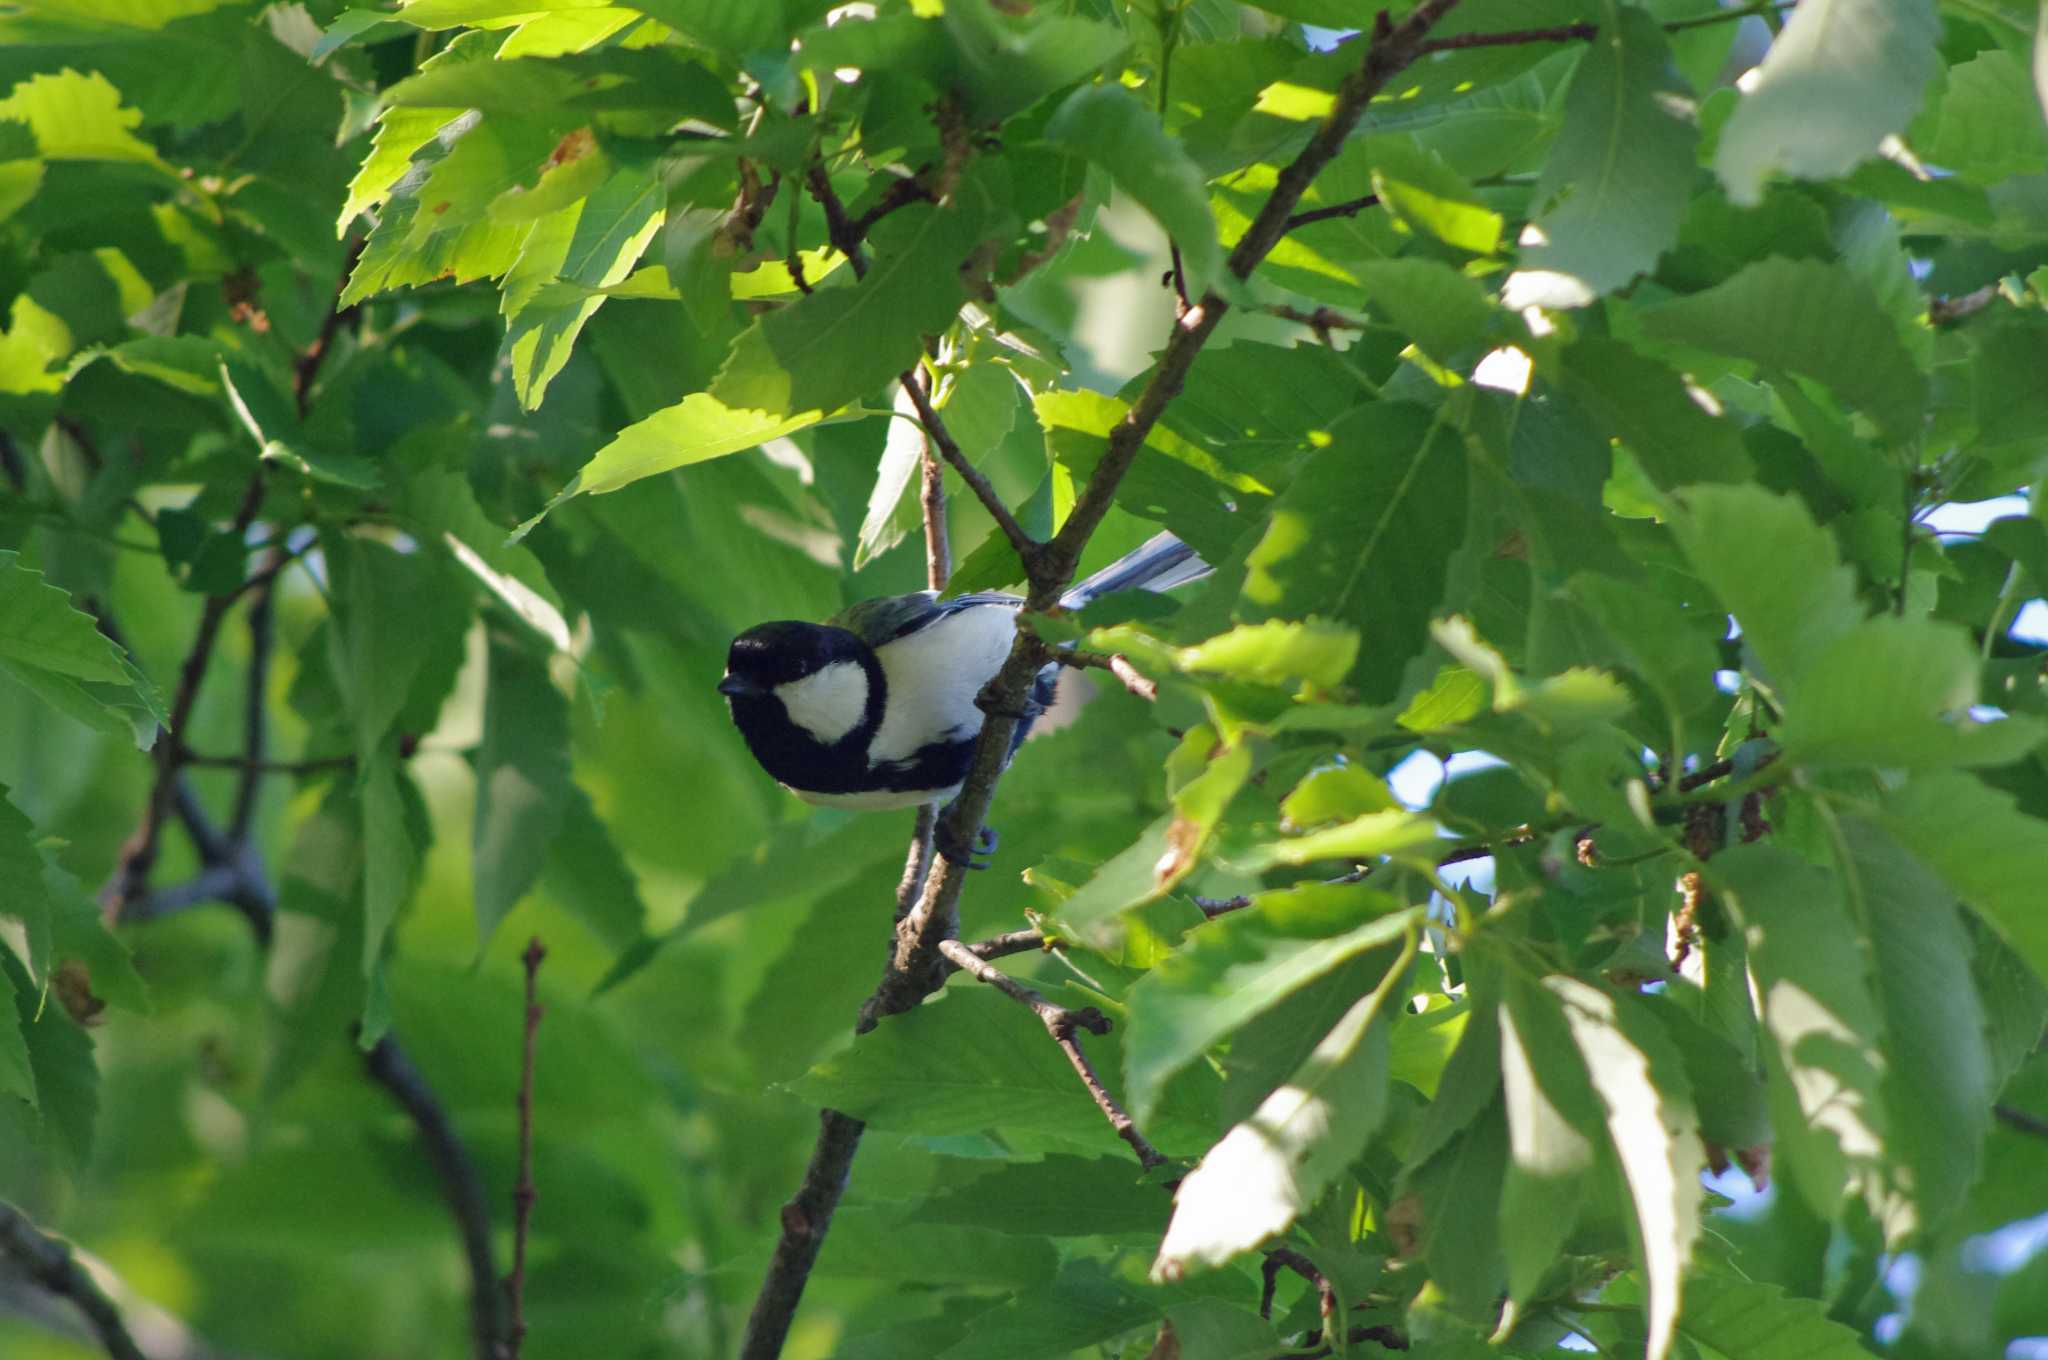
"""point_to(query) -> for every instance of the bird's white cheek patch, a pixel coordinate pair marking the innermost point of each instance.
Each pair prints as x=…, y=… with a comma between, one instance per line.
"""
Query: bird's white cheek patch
x=828, y=703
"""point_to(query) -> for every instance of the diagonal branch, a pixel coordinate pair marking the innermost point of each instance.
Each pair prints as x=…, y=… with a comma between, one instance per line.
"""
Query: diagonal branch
x=394, y=1071
x=1061, y=1023
x=917, y=968
x=49, y=1262
x=984, y=491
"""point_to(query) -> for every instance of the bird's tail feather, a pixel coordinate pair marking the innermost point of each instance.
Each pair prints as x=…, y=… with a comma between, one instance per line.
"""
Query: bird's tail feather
x=1160, y=563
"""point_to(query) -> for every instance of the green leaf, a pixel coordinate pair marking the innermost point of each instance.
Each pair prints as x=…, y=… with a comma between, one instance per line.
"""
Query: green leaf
x=1210, y=1329
x=1445, y=312
x=1363, y=838
x=2010, y=405
x=1984, y=848
x=60, y=1054
x=890, y=1244
x=840, y=344
x=1108, y=125
x=1792, y=602
x=17, y=1072
x=522, y=782
x=1894, y=691
x=1616, y=183
x=1756, y=1320
x=1430, y=198
x=1336, y=793
x=587, y=875
x=1383, y=571
x=1553, y=1117
x=79, y=117
x=1937, y=1085
x=1276, y=652
x=391, y=858
x=968, y=1062
x=1002, y=70
x=697, y=428
x=1269, y=1169
x=39, y=625
x=1241, y=965
x=1820, y=1022
x=24, y=895
x=1989, y=122
x=606, y=235
x=1085, y=1305
x=1811, y=318
x=1058, y=1196
x=1840, y=76
x=393, y=614
x=1650, y=1121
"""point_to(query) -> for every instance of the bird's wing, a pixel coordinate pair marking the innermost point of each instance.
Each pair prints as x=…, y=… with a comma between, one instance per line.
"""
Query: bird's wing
x=890, y=617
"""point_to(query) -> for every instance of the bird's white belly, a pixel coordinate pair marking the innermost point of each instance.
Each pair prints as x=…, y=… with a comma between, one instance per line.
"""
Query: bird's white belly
x=934, y=676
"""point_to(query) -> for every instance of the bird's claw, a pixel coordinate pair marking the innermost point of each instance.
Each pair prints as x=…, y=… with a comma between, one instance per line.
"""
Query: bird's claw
x=950, y=850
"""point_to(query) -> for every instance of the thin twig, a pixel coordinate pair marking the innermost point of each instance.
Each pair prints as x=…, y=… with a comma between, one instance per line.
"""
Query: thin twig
x=1061, y=1023
x=394, y=1071
x=2015, y=1118
x=1350, y=207
x=938, y=549
x=1287, y=1258
x=312, y=765
x=1116, y=664
x=255, y=714
x=1559, y=34
x=1015, y=942
x=523, y=1194
x=937, y=436
x=50, y=1263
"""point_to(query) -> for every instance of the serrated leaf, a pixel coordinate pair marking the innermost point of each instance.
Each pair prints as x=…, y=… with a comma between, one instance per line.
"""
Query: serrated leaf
x=1362, y=838
x=1983, y=847
x=1240, y=966
x=1108, y=125
x=1820, y=1022
x=1756, y=1320
x=1058, y=1196
x=1651, y=1124
x=1808, y=317
x=1445, y=312
x=586, y=873
x=1840, y=76
x=391, y=858
x=967, y=1062
x=697, y=428
x=39, y=625
x=23, y=893
x=1276, y=652
x=1989, y=123
x=1617, y=180
x=1267, y=1170
x=1938, y=1086
x=60, y=1053
x=1897, y=692
x=522, y=782
x=840, y=344
x=610, y=230
x=79, y=117
x=1553, y=1117
x=1792, y=602
x=1320, y=556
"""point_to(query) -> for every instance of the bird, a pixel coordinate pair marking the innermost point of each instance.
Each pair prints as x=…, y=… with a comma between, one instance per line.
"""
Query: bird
x=876, y=708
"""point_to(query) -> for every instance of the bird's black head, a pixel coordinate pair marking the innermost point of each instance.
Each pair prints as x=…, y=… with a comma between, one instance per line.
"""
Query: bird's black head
x=807, y=697
x=770, y=655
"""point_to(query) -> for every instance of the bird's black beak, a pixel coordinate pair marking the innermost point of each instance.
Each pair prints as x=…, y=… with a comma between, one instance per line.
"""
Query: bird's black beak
x=737, y=686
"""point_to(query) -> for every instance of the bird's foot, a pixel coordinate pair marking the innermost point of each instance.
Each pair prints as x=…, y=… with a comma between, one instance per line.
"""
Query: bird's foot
x=950, y=850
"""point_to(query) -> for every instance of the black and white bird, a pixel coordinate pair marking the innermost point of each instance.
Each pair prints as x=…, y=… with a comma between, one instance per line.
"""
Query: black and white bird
x=876, y=708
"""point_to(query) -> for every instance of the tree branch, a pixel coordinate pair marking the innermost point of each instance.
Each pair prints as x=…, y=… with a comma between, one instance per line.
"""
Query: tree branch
x=936, y=435
x=2015, y=1118
x=1061, y=1023
x=1118, y=665
x=394, y=1071
x=938, y=550
x=49, y=1262
x=523, y=1194
x=917, y=967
